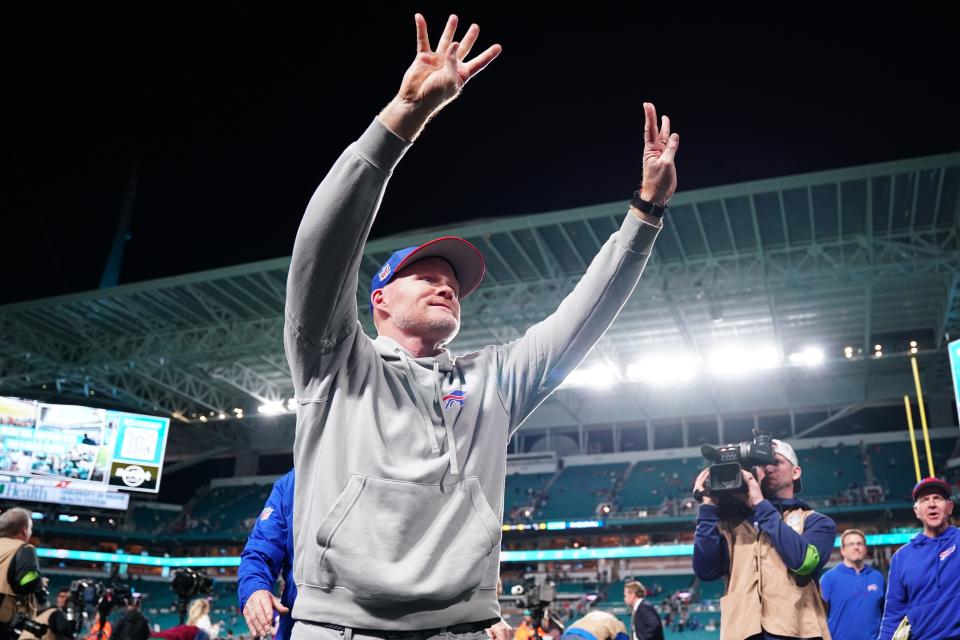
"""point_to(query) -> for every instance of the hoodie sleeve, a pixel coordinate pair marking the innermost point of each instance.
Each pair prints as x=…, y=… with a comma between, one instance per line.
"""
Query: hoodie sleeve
x=262, y=558
x=895, y=604
x=711, y=558
x=804, y=553
x=533, y=366
x=321, y=306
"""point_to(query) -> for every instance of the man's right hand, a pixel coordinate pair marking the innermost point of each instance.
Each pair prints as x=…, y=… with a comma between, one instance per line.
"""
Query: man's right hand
x=699, y=485
x=258, y=612
x=435, y=77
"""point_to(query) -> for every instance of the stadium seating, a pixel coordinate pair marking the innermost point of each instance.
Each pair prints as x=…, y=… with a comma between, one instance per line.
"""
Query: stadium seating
x=521, y=488
x=893, y=464
x=650, y=482
x=578, y=490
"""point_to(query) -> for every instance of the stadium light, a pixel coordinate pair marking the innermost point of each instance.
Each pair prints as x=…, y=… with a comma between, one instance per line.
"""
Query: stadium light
x=809, y=357
x=274, y=408
x=292, y=405
x=742, y=360
x=664, y=369
x=598, y=377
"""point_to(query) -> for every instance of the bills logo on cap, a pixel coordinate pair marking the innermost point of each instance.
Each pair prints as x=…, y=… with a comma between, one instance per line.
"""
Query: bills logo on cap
x=384, y=272
x=872, y=587
x=947, y=552
x=457, y=397
x=265, y=514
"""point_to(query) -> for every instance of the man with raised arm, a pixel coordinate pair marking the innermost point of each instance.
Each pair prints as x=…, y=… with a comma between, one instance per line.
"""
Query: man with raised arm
x=401, y=448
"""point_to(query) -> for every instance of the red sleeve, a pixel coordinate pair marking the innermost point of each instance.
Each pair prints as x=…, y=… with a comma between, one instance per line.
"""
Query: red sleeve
x=181, y=632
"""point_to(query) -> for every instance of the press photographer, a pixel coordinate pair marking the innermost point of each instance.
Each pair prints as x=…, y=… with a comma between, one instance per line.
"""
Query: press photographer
x=20, y=581
x=92, y=600
x=769, y=545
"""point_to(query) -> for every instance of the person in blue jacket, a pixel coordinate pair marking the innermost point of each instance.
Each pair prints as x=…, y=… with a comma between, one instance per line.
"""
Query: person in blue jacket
x=853, y=591
x=267, y=555
x=924, y=580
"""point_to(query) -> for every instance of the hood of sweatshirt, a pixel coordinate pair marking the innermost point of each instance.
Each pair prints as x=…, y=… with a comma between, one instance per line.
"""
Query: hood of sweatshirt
x=424, y=379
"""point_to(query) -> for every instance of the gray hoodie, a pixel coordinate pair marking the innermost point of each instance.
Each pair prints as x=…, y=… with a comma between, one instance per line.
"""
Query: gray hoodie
x=399, y=492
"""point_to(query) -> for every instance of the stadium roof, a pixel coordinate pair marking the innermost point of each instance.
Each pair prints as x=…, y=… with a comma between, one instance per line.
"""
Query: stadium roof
x=854, y=257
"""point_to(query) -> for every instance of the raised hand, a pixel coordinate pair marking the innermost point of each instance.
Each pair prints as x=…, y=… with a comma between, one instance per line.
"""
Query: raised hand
x=435, y=77
x=659, y=151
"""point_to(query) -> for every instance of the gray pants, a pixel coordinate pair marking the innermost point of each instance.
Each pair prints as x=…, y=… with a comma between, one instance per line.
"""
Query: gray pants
x=304, y=631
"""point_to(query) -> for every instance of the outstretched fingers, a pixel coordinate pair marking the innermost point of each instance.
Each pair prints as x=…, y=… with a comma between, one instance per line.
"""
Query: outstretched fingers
x=664, y=129
x=670, y=152
x=650, y=134
x=423, y=40
x=469, y=38
x=448, y=32
x=476, y=65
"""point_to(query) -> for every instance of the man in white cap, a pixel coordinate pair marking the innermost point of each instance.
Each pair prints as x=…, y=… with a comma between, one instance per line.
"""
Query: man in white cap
x=771, y=552
x=401, y=448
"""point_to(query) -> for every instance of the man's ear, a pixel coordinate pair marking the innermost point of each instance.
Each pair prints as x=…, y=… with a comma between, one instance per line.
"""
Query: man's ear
x=376, y=298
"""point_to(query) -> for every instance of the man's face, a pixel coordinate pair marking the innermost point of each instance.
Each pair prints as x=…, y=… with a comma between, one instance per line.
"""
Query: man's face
x=423, y=300
x=629, y=597
x=854, y=548
x=62, y=599
x=933, y=510
x=776, y=480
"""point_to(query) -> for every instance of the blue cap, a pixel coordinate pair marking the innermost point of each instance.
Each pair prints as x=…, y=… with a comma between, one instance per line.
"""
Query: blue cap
x=931, y=485
x=465, y=259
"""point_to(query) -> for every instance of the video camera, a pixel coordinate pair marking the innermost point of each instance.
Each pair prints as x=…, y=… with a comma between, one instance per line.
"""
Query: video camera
x=89, y=598
x=103, y=598
x=189, y=583
x=537, y=598
x=21, y=626
x=533, y=595
x=729, y=459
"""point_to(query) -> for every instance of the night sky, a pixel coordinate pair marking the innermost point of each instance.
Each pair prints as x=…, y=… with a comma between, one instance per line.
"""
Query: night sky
x=232, y=114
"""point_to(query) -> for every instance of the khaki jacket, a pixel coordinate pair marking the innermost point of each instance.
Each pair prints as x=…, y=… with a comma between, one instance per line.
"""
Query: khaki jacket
x=762, y=594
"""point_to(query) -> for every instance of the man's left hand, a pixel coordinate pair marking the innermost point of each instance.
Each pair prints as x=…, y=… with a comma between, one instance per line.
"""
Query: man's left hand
x=500, y=631
x=659, y=152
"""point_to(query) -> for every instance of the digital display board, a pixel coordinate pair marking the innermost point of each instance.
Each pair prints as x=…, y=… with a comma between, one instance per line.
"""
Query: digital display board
x=81, y=447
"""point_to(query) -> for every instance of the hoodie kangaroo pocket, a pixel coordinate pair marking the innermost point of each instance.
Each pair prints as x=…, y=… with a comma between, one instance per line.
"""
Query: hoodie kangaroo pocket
x=395, y=541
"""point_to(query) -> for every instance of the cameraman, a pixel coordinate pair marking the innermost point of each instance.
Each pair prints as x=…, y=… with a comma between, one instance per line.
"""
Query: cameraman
x=770, y=547
x=19, y=568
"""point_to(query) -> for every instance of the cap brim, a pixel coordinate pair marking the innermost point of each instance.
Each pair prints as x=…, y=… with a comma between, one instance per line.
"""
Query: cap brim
x=466, y=260
x=941, y=488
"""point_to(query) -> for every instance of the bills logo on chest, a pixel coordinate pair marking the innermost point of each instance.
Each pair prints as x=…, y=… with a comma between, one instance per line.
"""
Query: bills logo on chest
x=454, y=397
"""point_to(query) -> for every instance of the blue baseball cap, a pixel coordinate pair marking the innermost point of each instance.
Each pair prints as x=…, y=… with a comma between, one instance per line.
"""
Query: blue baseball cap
x=931, y=485
x=465, y=259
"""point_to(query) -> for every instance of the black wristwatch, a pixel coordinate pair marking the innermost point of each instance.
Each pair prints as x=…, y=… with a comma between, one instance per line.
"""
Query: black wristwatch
x=649, y=208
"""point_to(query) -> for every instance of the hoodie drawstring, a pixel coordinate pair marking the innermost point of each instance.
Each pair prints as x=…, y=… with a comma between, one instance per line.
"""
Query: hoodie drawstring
x=451, y=442
x=431, y=433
